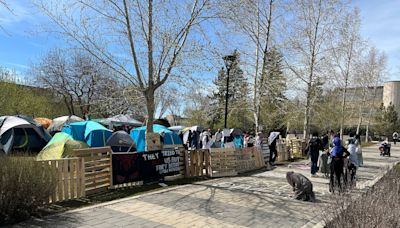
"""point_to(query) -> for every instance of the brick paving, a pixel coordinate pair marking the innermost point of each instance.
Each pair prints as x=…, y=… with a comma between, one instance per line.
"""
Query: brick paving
x=257, y=200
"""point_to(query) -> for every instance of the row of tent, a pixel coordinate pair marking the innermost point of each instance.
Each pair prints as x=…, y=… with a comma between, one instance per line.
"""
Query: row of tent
x=20, y=133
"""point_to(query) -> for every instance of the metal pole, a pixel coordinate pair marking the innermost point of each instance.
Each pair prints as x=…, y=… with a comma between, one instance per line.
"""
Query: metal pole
x=226, y=96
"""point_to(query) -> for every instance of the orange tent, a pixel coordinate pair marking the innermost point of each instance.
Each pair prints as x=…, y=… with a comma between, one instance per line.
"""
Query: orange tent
x=43, y=121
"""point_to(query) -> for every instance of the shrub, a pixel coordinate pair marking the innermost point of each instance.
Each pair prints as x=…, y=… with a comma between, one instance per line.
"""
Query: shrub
x=378, y=207
x=25, y=186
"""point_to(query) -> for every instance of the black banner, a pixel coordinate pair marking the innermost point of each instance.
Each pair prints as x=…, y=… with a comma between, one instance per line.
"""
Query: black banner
x=145, y=166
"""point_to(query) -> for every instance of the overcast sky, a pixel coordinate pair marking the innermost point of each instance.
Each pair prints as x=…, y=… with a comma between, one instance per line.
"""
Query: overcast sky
x=19, y=45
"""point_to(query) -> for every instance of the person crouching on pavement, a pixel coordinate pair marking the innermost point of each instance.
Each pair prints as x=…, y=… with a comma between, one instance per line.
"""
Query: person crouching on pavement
x=302, y=187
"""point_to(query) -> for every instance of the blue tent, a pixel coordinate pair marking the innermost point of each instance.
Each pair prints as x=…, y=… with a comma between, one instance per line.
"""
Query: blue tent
x=139, y=136
x=90, y=132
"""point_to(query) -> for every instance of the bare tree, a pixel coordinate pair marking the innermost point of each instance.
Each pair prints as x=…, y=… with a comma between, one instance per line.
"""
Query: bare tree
x=142, y=41
x=253, y=19
x=311, y=27
x=73, y=76
x=374, y=68
x=345, y=51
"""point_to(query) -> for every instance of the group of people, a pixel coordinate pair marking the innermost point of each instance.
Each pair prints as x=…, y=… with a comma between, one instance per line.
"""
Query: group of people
x=341, y=164
x=343, y=159
x=206, y=139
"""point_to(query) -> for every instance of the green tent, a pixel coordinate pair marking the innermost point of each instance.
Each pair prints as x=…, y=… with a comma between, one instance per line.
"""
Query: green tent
x=60, y=146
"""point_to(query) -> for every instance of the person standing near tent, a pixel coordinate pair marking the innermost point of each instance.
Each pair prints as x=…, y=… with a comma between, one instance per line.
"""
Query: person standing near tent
x=273, y=152
x=190, y=138
x=218, y=138
x=313, y=148
x=206, y=139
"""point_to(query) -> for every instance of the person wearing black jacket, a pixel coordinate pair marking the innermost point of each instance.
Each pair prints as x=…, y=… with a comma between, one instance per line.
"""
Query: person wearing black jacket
x=313, y=148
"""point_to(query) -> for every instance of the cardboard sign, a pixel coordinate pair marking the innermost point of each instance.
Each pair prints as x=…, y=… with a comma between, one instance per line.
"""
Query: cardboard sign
x=153, y=142
x=146, y=166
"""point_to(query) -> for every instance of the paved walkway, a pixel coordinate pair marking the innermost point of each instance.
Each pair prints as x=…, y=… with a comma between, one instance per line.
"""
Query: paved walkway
x=258, y=200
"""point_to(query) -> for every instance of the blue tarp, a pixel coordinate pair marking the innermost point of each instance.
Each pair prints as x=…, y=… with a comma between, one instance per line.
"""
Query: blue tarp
x=139, y=136
x=90, y=132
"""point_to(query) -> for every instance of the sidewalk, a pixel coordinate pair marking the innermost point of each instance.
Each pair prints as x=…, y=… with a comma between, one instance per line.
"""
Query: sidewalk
x=258, y=200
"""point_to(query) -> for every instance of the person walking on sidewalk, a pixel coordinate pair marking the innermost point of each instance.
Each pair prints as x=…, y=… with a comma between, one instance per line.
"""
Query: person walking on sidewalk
x=313, y=148
x=395, y=137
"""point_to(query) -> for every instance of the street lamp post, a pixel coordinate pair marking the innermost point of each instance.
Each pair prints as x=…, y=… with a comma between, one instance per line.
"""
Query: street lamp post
x=229, y=61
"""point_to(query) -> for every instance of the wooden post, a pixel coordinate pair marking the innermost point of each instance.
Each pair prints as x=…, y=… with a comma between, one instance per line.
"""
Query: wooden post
x=187, y=173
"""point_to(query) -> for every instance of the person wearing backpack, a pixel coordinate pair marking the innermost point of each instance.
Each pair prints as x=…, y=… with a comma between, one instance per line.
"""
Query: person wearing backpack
x=313, y=148
x=337, y=155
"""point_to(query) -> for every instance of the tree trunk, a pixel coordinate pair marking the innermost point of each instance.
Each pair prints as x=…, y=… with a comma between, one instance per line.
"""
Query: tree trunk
x=343, y=109
x=306, y=126
x=150, y=105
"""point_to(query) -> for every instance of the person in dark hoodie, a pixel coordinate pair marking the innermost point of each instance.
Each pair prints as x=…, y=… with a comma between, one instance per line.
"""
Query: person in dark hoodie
x=313, y=148
x=337, y=154
x=302, y=187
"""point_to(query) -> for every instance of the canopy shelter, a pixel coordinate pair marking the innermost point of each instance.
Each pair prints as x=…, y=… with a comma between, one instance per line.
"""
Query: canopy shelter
x=120, y=141
x=61, y=145
x=17, y=133
x=169, y=137
x=120, y=120
x=59, y=122
x=92, y=133
x=45, y=122
x=176, y=129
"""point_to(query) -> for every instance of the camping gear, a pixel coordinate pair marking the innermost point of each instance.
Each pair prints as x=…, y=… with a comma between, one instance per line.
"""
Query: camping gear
x=45, y=122
x=17, y=133
x=90, y=132
x=120, y=141
x=61, y=145
x=139, y=136
x=58, y=123
x=120, y=120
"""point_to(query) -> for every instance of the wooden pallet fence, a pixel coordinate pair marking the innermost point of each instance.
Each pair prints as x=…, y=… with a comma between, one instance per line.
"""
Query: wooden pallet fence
x=97, y=165
x=283, y=154
x=248, y=159
x=223, y=162
x=70, y=179
x=297, y=147
x=197, y=163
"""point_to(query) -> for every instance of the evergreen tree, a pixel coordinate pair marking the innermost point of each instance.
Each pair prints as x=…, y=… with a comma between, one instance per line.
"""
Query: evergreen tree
x=386, y=120
x=273, y=93
x=238, y=100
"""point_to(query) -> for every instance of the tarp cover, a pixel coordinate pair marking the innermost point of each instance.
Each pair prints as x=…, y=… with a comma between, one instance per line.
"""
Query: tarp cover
x=58, y=123
x=60, y=146
x=92, y=133
x=120, y=120
x=139, y=136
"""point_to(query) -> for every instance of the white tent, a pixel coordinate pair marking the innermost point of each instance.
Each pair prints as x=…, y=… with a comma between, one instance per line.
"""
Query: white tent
x=59, y=122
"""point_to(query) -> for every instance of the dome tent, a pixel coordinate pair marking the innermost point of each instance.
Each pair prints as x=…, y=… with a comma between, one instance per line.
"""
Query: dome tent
x=18, y=133
x=60, y=146
x=139, y=136
x=92, y=133
x=120, y=141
